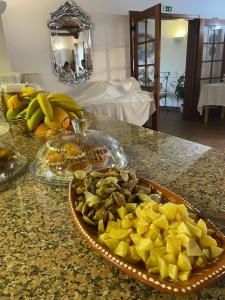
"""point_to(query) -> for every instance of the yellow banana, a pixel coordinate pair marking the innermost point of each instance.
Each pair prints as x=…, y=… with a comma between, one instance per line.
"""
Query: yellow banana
x=45, y=106
x=67, y=105
x=35, y=120
x=32, y=107
x=60, y=97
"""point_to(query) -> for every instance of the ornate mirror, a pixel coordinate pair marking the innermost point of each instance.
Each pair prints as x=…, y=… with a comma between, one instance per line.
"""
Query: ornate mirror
x=70, y=30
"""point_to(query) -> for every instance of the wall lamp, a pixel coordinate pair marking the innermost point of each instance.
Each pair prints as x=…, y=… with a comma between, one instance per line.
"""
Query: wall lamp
x=179, y=36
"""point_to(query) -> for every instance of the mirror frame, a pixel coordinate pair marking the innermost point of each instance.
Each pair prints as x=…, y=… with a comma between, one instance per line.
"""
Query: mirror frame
x=66, y=10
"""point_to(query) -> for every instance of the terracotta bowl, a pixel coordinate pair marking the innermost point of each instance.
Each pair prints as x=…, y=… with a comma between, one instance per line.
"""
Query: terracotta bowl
x=199, y=278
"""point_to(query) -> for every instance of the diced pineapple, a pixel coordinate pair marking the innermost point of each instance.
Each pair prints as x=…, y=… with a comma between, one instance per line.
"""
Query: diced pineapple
x=158, y=251
x=121, y=249
x=194, y=229
x=183, y=275
x=130, y=207
x=184, y=239
x=138, y=211
x=161, y=222
x=158, y=242
x=111, y=243
x=172, y=271
x=129, y=216
x=183, y=211
x=201, y=261
x=126, y=224
x=136, y=238
x=145, y=244
x=178, y=216
x=112, y=224
x=142, y=226
x=169, y=210
x=104, y=236
x=152, y=232
x=206, y=252
x=201, y=224
x=162, y=267
x=182, y=228
x=132, y=253
x=121, y=212
x=151, y=215
x=170, y=258
x=216, y=251
x=143, y=254
x=101, y=227
x=207, y=241
x=173, y=245
x=193, y=248
x=154, y=270
x=119, y=234
x=183, y=262
x=152, y=261
x=174, y=225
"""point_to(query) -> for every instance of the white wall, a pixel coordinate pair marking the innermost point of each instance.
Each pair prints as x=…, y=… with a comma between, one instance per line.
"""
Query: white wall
x=28, y=38
x=4, y=59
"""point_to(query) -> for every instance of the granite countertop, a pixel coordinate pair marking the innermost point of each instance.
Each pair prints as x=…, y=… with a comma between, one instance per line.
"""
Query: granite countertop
x=42, y=256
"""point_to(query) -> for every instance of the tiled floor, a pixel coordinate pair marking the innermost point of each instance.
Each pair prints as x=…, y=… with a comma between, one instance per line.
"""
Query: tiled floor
x=210, y=134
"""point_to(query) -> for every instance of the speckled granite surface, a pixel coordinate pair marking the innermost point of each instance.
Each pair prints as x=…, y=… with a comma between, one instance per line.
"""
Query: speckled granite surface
x=42, y=256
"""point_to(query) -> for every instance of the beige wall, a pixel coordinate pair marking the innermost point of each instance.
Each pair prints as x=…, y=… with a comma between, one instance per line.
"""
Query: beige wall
x=29, y=47
x=4, y=59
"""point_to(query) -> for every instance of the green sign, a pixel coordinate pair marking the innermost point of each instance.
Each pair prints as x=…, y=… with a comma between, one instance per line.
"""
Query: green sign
x=167, y=8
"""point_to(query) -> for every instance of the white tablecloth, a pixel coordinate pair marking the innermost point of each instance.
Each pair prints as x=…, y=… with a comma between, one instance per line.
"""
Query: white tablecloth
x=212, y=94
x=120, y=100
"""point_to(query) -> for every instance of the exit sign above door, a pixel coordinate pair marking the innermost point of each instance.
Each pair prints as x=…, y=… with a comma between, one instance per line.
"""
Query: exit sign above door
x=167, y=8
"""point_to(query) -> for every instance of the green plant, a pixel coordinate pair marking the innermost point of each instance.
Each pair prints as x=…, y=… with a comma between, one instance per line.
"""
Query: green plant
x=179, y=88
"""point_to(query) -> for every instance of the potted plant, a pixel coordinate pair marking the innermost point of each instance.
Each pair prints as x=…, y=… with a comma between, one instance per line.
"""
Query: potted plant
x=179, y=89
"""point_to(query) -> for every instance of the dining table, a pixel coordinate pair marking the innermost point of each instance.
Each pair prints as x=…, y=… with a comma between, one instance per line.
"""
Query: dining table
x=212, y=94
x=43, y=255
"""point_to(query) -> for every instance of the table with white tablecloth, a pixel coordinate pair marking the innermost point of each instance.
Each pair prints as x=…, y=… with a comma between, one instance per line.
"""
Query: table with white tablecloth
x=212, y=94
x=121, y=100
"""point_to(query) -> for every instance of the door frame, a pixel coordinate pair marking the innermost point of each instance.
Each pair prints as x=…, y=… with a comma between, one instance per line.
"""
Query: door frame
x=135, y=16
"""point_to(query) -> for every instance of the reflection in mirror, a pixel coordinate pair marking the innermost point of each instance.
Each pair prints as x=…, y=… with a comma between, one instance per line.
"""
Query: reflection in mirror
x=71, y=44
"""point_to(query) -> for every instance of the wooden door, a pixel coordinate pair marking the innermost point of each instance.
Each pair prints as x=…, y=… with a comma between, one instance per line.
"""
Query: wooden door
x=145, y=36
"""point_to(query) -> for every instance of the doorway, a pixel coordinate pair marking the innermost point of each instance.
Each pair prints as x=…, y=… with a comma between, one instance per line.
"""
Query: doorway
x=173, y=63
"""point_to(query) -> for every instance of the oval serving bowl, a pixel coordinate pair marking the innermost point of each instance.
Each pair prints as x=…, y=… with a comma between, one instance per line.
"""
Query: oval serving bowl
x=199, y=278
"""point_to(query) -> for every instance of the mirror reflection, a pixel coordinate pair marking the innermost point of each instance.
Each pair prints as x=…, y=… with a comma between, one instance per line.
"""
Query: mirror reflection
x=71, y=44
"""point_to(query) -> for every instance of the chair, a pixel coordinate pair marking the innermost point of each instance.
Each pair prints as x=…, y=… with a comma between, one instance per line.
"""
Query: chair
x=164, y=77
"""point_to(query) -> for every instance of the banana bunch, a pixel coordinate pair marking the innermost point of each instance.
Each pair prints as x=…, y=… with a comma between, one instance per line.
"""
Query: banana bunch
x=51, y=111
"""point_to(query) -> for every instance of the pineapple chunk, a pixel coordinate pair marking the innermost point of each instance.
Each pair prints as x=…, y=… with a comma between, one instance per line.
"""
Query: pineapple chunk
x=152, y=261
x=136, y=238
x=126, y=224
x=161, y=222
x=173, y=245
x=201, y=224
x=194, y=229
x=142, y=226
x=121, y=212
x=183, y=275
x=182, y=228
x=170, y=258
x=183, y=211
x=143, y=254
x=122, y=249
x=184, y=239
x=207, y=241
x=112, y=224
x=152, y=232
x=119, y=234
x=145, y=244
x=150, y=215
x=193, y=248
x=169, y=210
x=111, y=243
x=216, y=251
x=158, y=251
x=132, y=253
x=201, y=261
x=162, y=267
x=158, y=242
x=183, y=262
x=154, y=270
x=101, y=227
x=129, y=216
x=102, y=237
x=172, y=271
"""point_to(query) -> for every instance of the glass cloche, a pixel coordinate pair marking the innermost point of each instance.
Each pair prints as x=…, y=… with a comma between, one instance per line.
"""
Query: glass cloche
x=87, y=150
x=11, y=162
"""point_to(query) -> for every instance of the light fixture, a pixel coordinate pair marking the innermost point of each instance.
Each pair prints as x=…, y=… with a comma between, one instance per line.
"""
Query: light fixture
x=2, y=6
x=179, y=35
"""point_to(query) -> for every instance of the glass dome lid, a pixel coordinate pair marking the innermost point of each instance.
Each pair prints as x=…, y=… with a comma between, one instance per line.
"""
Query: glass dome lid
x=59, y=158
x=11, y=162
